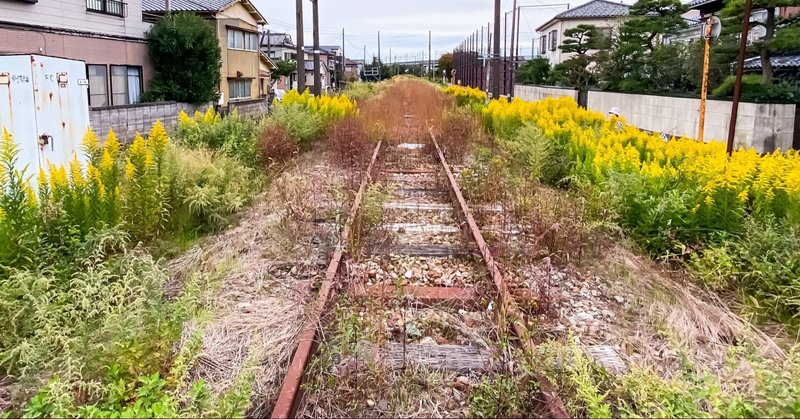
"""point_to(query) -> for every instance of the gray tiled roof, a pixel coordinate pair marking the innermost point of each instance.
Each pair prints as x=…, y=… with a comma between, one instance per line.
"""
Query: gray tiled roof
x=595, y=8
x=278, y=39
x=695, y=3
x=157, y=6
x=779, y=62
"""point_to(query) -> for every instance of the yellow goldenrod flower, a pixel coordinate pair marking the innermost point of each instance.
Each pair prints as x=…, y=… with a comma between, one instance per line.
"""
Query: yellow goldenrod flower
x=112, y=145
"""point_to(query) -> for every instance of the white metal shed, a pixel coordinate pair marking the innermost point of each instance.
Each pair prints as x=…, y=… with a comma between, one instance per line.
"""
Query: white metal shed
x=44, y=104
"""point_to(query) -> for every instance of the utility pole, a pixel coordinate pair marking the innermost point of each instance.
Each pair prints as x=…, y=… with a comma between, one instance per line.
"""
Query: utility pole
x=496, y=54
x=430, y=69
x=737, y=87
x=344, y=59
x=269, y=45
x=513, y=53
x=505, y=55
x=301, y=58
x=519, y=16
x=167, y=6
x=704, y=89
x=317, y=81
x=379, y=47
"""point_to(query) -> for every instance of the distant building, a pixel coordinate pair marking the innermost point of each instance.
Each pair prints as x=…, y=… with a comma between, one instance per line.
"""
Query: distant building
x=279, y=46
x=245, y=70
x=108, y=35
x=606, y=15
x=692, y=32
x=352, y=70
x=330, y=65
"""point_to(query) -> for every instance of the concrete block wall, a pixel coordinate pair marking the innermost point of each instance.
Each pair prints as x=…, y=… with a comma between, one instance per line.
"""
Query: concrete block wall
x=251, y=108
x=763, y=126
x=128, y=120
x=766, y=127
x=534, y=93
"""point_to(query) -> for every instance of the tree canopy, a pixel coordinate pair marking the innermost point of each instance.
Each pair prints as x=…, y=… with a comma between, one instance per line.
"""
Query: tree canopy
x=186, y=57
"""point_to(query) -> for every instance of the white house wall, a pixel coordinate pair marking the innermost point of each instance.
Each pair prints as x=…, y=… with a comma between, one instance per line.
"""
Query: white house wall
x=72, y=15
x=561, y=26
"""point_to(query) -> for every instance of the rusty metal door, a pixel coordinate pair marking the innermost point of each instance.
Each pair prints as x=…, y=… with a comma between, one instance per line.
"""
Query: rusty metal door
x=45, y=107
x=62, y=108
x=17, y=109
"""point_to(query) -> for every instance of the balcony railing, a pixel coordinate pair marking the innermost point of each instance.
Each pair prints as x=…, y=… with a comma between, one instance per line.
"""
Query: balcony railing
x=109, y=7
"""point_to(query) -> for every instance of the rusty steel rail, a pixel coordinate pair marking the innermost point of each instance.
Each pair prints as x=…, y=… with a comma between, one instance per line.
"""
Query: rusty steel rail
x=508, y=306
x=286, y=405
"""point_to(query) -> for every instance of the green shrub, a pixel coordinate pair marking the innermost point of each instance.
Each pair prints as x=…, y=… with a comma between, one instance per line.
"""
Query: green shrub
x=537, y=156
x=588, y=390
x=303, y=124
x=207, y=187
x=233, y=135
x=65, y=320
x=755, y=90
x=186, y=58
x=763, y=263
x=361, y=90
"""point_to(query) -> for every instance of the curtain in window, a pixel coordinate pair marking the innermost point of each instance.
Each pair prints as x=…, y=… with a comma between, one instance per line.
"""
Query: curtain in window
x=134, y=85
x=98, y=85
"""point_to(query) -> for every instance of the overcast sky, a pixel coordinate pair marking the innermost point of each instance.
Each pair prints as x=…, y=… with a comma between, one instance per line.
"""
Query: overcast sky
x=404, y=24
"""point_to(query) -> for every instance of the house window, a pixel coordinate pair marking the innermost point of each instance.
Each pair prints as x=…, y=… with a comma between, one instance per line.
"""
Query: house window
x=543, y=44
x=126, y=85
x=553, y=40
x=109, y=7
x=238, y=88
x=98, y=85
x=242, y=40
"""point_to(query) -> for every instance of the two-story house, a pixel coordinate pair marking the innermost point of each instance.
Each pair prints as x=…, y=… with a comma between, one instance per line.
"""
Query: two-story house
x=108, y=35
x=245, y=69
x=329, y=59
x=604, y=14
x=279, y=46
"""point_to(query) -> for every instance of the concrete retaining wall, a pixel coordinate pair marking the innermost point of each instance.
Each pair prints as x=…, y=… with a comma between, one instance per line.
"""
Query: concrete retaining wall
x=534, y=93
x=251, y=108
x=128, y=120
x=766, y=127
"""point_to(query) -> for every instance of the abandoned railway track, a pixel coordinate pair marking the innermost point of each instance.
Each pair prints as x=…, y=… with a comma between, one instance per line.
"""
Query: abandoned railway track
x=417, y=322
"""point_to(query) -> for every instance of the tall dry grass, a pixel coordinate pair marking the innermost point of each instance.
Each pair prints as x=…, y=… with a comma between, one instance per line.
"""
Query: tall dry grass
x=405, y=110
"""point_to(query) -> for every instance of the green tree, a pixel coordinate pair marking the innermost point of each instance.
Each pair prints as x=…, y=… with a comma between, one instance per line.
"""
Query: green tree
x=633, y=64
x=651, y=20
x=186, y=57
x=535, y=71
x=446, y=64
x=284, y=68
x=578, y=70
x=786, y=40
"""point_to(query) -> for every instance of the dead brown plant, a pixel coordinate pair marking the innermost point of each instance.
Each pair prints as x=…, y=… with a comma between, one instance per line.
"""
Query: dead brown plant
x=459, y=130
x=275, y=145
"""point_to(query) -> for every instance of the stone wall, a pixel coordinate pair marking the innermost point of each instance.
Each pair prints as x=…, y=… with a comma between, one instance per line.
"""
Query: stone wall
x=534, y=93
